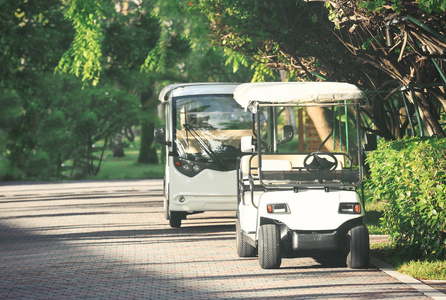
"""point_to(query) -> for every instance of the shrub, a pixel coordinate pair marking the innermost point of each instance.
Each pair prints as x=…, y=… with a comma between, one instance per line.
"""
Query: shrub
x=409, y=176
x=37, y=165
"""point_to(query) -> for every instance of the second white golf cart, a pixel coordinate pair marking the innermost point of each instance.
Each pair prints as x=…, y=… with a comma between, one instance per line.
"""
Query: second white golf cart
x=297, y=186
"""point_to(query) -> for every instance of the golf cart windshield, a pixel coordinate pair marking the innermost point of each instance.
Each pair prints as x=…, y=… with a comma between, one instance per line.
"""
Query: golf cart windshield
x=309, y=146
x=209, y=129
x=307, y=134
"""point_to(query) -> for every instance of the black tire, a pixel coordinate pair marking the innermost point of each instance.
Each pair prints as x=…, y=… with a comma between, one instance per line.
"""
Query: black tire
x=269, y=247
x=175, y=219
x=244, y=249
x=358, y=247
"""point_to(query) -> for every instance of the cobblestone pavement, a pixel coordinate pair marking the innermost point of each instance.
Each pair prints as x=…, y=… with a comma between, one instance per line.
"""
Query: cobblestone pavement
x=109, y=240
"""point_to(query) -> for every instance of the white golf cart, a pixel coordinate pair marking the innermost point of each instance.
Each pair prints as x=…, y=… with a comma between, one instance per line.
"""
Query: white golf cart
x=297, y=186
x=202, y=135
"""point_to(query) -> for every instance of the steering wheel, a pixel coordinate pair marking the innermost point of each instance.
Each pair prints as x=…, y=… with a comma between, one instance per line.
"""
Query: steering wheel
x=320, y=161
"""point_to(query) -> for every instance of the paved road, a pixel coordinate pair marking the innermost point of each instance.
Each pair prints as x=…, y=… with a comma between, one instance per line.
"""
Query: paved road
x=109, y=240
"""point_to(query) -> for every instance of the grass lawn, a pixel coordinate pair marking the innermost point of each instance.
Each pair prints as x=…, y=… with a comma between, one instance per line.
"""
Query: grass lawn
x=420, y=269
x=128, y=168
x=373, y=211
x=111, y=168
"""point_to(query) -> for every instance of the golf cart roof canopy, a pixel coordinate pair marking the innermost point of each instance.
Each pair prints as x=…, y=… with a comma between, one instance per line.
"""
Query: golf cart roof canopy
x=249, y=95
x=199, y=88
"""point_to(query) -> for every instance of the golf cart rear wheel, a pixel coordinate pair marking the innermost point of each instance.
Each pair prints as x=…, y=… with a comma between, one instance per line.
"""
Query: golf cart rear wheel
x=358, y=247
x=269, y=247
x=244, y=249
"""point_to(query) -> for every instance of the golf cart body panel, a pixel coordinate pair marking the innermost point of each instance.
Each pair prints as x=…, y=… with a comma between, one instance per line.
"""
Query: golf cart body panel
x=307, y=210
x=217, y=194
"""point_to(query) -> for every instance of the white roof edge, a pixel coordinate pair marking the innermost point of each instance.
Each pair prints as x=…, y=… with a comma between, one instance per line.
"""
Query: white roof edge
x=163, y=95
x=296, y=92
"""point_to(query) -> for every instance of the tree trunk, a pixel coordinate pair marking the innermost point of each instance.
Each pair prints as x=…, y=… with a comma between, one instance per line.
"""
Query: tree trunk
x=147, y=151
x=117, y=146
x=323, y=129
x=428, y=116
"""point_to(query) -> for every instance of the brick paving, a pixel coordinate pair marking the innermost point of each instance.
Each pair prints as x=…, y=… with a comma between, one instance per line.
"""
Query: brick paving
x=109, y=240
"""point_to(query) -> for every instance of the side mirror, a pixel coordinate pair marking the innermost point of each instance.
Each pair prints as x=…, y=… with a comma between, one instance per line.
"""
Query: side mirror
x=370, y=142
x=246, y=145
x=287, y=134
x=160, y=136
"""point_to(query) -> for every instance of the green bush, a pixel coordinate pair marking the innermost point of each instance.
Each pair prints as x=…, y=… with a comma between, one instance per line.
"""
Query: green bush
x=37, y=165
x=408, y=175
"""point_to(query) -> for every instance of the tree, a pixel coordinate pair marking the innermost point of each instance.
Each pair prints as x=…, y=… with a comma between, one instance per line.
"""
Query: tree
x=405, y=40
x=34, y=36
x=345, y=41
x=105, y=44
x=130, y=32
x=172, y=47
x=51, y=121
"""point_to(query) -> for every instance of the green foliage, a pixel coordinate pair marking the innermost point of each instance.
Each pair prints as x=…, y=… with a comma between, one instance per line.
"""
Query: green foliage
x=261, y=71
x=409, y=176
x=373, y=6
x=339, y=41
x=433, y=5
x=184, y=52
x=171, y=36
x=428, y=6
x=66, y=127
x=33, y=37
x=83, y=57
x=37, y=165
x=237, y=59
x=287, y=35
x=52, y=125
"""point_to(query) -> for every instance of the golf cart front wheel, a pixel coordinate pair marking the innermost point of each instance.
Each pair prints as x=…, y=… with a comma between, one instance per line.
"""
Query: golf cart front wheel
x=269, y=247
x=358, y=247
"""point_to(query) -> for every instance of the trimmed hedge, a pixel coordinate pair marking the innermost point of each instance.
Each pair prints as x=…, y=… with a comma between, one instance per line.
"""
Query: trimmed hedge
x=409, y=176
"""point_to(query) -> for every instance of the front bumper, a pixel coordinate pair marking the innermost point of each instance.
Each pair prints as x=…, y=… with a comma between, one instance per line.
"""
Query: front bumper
x=315, y=241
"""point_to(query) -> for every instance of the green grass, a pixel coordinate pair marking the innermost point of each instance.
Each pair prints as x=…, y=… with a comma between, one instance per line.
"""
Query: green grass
x=373, y=212
x=420, y=269
x=111, y=168
x=424, y=270
x=127, y=168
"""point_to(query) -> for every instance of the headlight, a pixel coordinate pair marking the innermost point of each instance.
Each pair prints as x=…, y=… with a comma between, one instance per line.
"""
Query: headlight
x=186, y=167
x=189, y=168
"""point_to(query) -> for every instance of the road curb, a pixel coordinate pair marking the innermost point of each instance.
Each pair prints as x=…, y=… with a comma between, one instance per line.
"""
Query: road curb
x=414, y=283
